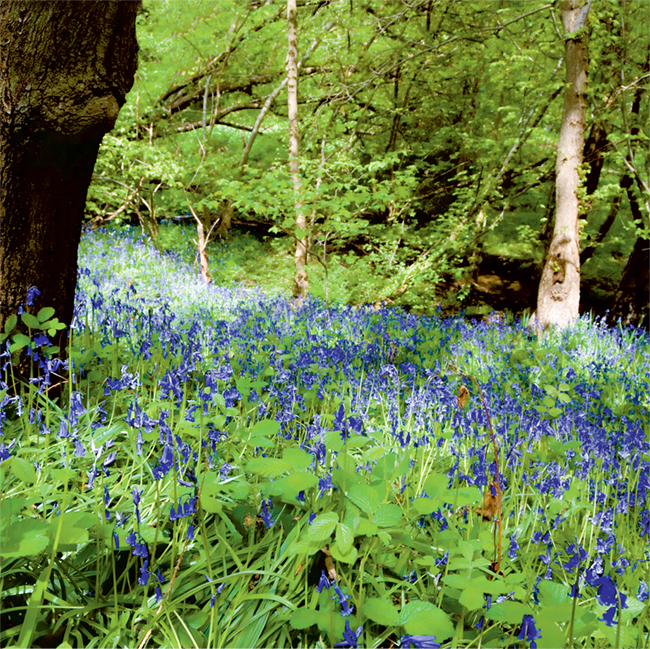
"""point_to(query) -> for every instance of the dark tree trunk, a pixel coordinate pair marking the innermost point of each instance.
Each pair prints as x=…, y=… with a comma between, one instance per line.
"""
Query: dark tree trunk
x=65, y=70
x=632, y=299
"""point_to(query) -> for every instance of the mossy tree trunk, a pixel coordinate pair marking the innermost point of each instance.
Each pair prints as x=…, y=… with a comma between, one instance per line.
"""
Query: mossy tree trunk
x=65, y=70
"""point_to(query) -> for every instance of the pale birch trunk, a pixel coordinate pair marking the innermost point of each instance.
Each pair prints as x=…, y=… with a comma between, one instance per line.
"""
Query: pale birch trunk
x=558, y=297
x=301, y=281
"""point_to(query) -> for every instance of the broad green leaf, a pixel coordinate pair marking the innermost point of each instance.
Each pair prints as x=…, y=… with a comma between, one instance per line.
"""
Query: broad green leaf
x=75, y=527
x=387, y=515
x=365, y=527
x=509, y=612
x=265, y=427
x=211, y=505
x=333, y=441
x=364, y=497
x=436, y=484
x=457, y=581
x=424, y=506
x=423, y=618
x=472, y=598
x=262, y=442
x=45, y=313
x=344, y=537
x=30, y=320
x=19, y=342
x=24, y=538
x=380, y=610
x=300, y=481
x=10, y=323
x=297, y=458
x=304, y=547
x=322, y=527
x=350, y=556
x=303, y=618
x=466, y=496
x=268, y=467
x=23, y=470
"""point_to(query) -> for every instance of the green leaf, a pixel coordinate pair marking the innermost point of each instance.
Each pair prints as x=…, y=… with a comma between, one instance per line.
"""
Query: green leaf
x=298, y=459
x=268, y=467
x=19, y=341
x=466, y=496
x=45, y=313
x=472, y=598
x=349, y=557
x=25, y=538
x=30, y=320
x=365, y=527
x=364, y=497
x=436, y=484
x=510, y=612
x=211, y=505
x=23, y=470
x=75, y=527
x=303, y=618
x=424, y=506
x=423, y=618
x=380, y=610
x=344, y=537
x=304, y=547
x=300, y=481
x=322, y=527
x=10, y=323
x=387, y=515
x=265, y=427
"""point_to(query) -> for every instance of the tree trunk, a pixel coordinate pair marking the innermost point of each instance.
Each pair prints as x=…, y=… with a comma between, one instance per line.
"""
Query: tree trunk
x=558, y=298
x=301, y=281
x=65, y=70
x=632, y=299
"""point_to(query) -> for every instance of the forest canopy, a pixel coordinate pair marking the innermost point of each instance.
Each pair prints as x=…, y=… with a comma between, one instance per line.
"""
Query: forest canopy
x=428, y=140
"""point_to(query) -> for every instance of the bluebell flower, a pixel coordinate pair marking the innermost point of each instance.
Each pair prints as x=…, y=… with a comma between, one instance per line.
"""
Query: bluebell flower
x=158, y=595
x=190, y=532
x=529, y=631
x=323, y=582
x=77, y=409
x=346, y=609
x=32, y=292
x=514, y=546
x=265, y=515
x=643, y=592
x=411, y=577
x=419, y=641
x=41, y=340
x=144, y=573
x=79, y=450
x=110, y=458
x=350, y=637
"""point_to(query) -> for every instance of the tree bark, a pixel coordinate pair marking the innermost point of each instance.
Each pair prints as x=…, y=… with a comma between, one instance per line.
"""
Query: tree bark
x=65, y=70
x=632, y=298
x=301, y=281
x=558, y=297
